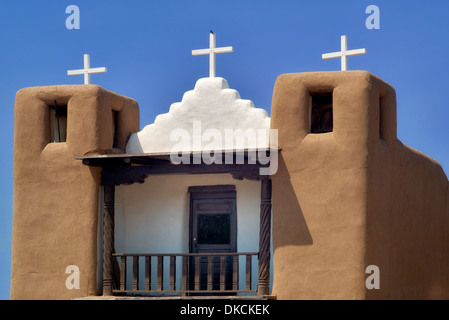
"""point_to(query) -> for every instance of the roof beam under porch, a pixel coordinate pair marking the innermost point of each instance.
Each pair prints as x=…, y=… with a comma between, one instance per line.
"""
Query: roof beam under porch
x=125, y=175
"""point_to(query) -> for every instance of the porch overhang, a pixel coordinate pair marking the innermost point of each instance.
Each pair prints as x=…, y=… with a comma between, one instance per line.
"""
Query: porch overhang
x=118, y=169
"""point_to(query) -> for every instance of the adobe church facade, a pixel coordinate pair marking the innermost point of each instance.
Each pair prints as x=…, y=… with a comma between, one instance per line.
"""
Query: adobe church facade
x=91, y=190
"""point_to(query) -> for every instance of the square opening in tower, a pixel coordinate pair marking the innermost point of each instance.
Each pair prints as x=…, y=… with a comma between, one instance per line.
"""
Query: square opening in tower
x=321, y=112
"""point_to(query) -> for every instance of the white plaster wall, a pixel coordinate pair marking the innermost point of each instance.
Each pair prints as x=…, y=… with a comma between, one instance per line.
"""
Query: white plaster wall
x=154, y=217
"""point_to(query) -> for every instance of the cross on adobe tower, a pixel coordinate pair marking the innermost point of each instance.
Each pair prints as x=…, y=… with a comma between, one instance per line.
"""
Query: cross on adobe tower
x=344, y=53
x=87, y=70
x=211, y=52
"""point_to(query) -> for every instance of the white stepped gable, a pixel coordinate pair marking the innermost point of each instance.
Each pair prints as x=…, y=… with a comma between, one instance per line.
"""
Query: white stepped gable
x=210, y=112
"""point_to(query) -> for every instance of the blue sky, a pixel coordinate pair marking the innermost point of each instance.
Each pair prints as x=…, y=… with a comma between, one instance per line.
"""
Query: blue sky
x=146, y=46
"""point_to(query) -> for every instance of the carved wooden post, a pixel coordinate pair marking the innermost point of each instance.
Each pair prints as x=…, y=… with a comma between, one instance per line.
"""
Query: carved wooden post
x=265, y=238
x=108, y=239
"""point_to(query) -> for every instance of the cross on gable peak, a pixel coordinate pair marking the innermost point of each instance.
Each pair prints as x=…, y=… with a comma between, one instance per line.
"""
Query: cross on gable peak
x=212, y=51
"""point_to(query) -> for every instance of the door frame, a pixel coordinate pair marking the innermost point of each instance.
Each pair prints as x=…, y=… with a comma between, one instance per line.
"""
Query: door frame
x=214, y=195
x=222, y=194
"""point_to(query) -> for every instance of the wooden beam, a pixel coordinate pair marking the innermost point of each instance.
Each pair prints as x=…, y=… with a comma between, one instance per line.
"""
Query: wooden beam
x=138, y=174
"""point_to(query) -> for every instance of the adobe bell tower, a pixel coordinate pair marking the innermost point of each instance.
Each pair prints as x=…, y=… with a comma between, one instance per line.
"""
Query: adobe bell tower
x=349, y=195
x=55, y=209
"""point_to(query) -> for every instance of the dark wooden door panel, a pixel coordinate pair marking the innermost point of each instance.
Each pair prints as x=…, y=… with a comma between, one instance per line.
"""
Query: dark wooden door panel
x=213, y=229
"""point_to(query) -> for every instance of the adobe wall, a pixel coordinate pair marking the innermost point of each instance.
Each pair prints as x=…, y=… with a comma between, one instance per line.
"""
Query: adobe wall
x=55, y=208
x=407, y=232
x=354, y=197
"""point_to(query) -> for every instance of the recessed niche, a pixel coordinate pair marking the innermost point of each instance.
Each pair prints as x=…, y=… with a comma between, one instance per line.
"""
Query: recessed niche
x=58, y=122
x=115, y=137
x=321, y=112
x=381, y=118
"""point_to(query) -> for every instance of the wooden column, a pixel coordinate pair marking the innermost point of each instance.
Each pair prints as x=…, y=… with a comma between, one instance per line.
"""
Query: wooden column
x=265, y=238
x=108, y=239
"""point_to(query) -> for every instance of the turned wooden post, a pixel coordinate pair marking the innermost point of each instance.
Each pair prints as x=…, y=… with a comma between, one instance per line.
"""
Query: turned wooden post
x=265, y=238
x=108, y=239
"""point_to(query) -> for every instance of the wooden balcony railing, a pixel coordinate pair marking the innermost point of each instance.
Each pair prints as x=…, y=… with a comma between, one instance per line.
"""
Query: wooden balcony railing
x=183, y=274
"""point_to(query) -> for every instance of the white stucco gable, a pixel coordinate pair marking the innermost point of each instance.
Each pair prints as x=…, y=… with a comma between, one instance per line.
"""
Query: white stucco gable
x=208, y=114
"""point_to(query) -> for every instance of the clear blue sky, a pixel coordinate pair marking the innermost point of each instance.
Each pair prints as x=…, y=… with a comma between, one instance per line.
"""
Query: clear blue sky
x=146, y=46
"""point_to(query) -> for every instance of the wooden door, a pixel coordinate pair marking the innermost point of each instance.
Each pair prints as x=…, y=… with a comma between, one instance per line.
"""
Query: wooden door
x=213, y=229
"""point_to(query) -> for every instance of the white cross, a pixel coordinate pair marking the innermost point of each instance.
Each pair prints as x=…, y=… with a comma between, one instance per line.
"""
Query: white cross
x=87, y=70
x=211, y=52
x=344, y=53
